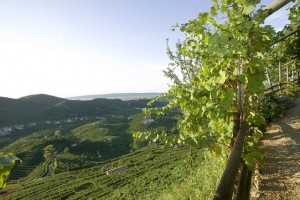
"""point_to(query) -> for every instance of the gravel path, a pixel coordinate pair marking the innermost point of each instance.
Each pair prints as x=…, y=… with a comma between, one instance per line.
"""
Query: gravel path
x=280, y=173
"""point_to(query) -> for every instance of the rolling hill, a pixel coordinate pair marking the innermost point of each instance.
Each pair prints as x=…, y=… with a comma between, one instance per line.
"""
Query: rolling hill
x=41, y=107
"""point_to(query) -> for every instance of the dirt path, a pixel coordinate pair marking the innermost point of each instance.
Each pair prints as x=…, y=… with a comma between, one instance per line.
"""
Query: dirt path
x=280, y=175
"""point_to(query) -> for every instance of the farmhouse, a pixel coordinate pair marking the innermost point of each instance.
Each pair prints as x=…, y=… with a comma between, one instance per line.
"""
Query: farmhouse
x=115, y=170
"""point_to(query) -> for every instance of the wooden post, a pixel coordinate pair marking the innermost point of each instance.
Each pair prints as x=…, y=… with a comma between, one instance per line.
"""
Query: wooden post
x=298, y=77
x=236, y=127
x=293, y=78
x=248, y=184
x=269, y=80
x=241, y=192
x=297, y=74
x=279, y=73
x=226, y=186
x=287, y=74
x=279, y=78
x=239, y=106
x=287, y=79
x=297, y=62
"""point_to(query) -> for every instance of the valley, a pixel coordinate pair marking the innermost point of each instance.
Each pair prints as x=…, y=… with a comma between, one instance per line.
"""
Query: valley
x=86, y=146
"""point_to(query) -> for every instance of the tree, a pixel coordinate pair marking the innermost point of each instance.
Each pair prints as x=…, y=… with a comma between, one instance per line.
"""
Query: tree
x=67, y=150
x=50, y=153
x=57, y=134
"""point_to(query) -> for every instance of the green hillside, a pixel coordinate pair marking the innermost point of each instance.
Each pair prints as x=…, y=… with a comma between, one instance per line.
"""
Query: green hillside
x=83, y=142
x=42, y=99
x=88, y=143
x=12, y=110
x=150, y=171
x=29, y=129
x=154, y=172
x=107, y=137
x=88, y=147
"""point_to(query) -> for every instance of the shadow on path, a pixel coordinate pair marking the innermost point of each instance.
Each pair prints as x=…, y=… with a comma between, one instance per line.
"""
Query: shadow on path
x=280, y=173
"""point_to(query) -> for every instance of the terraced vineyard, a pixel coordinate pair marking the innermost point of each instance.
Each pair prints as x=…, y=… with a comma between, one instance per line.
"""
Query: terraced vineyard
x=87, y=151
x=30, y=160
x=151, y=170
x=30, y=151
x=104, y=139
x=82, y=147
x=39, y=171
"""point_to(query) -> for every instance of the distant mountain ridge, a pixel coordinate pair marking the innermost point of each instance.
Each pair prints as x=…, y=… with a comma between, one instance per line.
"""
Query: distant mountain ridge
x=43, y=99
x=43, y=107
x=122, y=96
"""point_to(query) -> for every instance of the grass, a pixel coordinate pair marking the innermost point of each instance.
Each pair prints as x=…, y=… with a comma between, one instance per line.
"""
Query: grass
x=201, y=184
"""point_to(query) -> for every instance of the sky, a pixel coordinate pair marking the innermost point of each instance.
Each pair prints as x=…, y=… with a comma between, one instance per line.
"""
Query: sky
x=70, y=48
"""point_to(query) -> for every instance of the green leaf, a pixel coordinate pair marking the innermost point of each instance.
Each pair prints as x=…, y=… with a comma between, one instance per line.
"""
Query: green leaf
x=6, y=164
x=253, y=158
x=8, y=160
x=248, y=25
x=248, y=9
x=191, y=141
x=255, y=83
x=5, y=171
x=222, y=77
x=256, y=119
x=242, y=78
x=213, y=11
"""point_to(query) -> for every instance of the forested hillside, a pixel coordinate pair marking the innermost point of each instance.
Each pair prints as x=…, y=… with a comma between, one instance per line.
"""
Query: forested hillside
x=36, y=108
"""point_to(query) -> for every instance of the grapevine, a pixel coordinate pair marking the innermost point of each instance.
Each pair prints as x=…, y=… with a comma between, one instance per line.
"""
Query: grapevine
x=224, y=49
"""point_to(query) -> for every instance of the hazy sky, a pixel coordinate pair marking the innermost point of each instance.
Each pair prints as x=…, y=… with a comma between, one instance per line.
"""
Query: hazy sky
x=78, y=47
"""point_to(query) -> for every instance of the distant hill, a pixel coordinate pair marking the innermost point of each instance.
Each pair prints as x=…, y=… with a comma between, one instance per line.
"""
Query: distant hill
x=43, y=107
x=123, y=96
x=43, y=99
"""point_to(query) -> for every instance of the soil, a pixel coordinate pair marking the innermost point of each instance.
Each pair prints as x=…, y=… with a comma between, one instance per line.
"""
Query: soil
x=280, y=173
